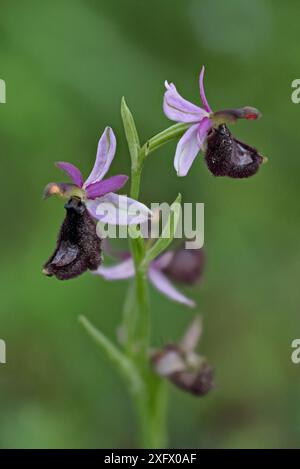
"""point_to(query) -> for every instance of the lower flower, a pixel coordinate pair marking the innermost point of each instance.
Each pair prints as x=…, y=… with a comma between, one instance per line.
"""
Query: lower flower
x=182, y=366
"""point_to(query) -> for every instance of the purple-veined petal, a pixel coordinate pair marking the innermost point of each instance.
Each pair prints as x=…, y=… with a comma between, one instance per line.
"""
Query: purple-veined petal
x=202, y=92
x=169, y=361
x=71, y=171
x=164, y=260
x=117, y=272
x=105, y=154
x=162, y=284
x=179, y=109
x=105, y=186
x=113, y=253
x=203, y=129
x=187, y=149
x=117, y=209
x=192, y=336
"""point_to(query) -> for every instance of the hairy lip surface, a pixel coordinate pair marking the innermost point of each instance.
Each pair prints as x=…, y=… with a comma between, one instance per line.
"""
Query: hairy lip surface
x=78, y=247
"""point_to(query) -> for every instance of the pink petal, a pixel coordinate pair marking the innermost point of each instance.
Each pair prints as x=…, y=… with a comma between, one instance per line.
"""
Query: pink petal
x=105, y=154
x=192, y=335
x=71, y=171
x=203, y=129
x=164, y=260
x=162, y=284
x=179, y=109
x=202, y=92
x=189, y=146
x=116, y=254
x=98, y=189
x=169, y=362
x=117, y=272
x=117, y=209
x=187, y=149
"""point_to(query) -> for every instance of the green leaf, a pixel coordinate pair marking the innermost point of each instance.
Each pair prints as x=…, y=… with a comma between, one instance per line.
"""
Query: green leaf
x=131, y=134
x=167, y=235
x=124, y=364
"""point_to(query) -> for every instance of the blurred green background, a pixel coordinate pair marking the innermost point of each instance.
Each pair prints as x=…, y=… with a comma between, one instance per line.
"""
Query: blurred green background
x=66, y=65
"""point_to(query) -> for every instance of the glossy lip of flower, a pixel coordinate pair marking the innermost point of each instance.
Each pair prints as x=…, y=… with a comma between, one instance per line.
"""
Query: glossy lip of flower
x=180, y=110
x=126, y=269
x=96, y=190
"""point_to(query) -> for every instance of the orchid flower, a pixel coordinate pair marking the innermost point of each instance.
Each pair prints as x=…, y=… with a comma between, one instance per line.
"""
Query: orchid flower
x=97, y=192
x=156, y=274
x=225, y=156
x=180, y=364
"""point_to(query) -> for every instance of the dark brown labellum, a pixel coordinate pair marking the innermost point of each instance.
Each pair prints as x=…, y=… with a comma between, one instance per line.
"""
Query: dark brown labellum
x=226, y=156
x=186, y=266
x=78, y=246
x=198, y=383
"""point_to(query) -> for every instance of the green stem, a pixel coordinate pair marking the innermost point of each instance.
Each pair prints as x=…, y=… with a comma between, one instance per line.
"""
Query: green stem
x=151, y=401
x=151, y=409
x=160, y=139
x=135, y=182
x=142, y=333
x=129, y=320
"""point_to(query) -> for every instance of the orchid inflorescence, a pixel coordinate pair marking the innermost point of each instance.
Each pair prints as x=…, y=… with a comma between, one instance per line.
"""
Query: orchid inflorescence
x=79, y=246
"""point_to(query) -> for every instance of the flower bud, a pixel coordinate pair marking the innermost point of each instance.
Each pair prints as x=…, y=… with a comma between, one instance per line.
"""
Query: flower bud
x=226, y=156
x=186, y=266
x=78, y=246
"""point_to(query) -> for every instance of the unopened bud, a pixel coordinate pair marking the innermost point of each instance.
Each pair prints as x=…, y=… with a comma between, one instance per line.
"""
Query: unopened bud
x=186, y=266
